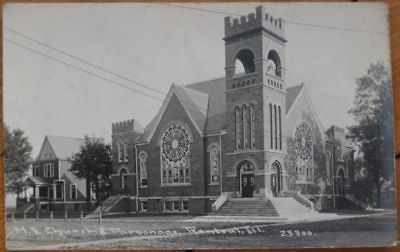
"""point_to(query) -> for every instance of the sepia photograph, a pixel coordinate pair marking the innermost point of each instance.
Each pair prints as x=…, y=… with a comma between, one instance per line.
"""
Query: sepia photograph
x=198, y=125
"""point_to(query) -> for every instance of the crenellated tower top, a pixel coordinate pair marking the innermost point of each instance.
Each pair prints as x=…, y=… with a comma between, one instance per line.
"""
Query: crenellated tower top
x=126, y=126
x=260, y=19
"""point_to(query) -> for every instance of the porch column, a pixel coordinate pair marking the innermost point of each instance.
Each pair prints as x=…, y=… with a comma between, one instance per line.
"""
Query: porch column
x=54, y=192
x=36, y=191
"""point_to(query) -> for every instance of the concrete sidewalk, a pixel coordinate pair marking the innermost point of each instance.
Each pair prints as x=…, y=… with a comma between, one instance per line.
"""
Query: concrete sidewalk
x=309, y=217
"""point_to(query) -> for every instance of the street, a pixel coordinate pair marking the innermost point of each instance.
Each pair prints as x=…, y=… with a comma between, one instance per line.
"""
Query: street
x=371, y=230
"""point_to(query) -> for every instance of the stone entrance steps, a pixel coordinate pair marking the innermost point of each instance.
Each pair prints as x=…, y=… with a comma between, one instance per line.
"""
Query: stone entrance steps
x=247, y=207
x=108, y=204
x=290, y=207
x=26, y=207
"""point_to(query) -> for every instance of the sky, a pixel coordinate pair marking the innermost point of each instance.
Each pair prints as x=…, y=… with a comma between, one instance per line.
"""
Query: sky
x=159, y=44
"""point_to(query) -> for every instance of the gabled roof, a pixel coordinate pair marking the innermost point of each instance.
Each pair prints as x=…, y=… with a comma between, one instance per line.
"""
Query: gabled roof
x=292, y=94
x=63, y=147
x=217, y=106
x=193, y=102
x=33, y=180
x=205, y=103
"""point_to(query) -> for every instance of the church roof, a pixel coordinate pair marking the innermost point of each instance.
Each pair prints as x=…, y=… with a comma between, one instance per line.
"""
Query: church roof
x=205, y=103
x=217, y=103
x=292, y=94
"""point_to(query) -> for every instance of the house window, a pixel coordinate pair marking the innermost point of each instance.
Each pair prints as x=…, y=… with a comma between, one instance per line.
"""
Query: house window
x=175, y=156
x=35, y=171
x=59, y=189
x=73, y=191
x=214, y=163
x=143, y=205
x=43, y=192
x=143, y=168
x=48, y=170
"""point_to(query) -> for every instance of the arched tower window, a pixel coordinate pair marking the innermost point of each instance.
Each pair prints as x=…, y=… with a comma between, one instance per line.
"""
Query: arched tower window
x=143, y=168
x=244, y=62
x=175, y=156
x=214, y=155
x=274, y=64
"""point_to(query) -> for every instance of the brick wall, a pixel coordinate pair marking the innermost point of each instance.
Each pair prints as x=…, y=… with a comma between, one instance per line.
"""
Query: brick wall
x=174, y=113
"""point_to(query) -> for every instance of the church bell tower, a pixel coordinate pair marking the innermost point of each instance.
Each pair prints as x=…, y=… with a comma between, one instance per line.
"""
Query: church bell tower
x=255, y=85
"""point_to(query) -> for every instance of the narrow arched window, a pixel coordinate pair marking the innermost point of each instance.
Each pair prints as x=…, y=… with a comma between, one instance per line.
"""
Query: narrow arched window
x=252, y=139
x=244, y=123
x=271, y=132
x=328, y=167
x=276, y=128
x=237, y=127
x=214, y=156
x=143, y=168
x=125, y=151
x=280, y=127
x=121, y=157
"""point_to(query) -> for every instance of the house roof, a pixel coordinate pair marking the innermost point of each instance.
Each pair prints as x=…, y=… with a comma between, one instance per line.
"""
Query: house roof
x=64, y=147
x=33, y=180
x=205, y=103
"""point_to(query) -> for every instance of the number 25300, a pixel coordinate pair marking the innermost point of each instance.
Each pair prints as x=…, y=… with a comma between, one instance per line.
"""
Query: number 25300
x=298, y=233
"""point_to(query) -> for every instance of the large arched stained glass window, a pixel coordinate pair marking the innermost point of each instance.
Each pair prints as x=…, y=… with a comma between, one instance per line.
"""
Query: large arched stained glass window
x=304, y=152
x=175, y=156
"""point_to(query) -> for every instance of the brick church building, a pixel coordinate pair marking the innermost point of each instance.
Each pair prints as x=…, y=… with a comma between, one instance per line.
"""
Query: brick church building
x=245, y=135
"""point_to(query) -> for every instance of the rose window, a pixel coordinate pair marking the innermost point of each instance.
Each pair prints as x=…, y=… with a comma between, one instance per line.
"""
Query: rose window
x=175, y=156
x=175, y=143
x=303, y=141
x=304, y=153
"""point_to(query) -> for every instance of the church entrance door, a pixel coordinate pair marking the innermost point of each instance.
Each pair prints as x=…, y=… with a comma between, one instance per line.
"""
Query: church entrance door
x=246, y=179
x=247, y=185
